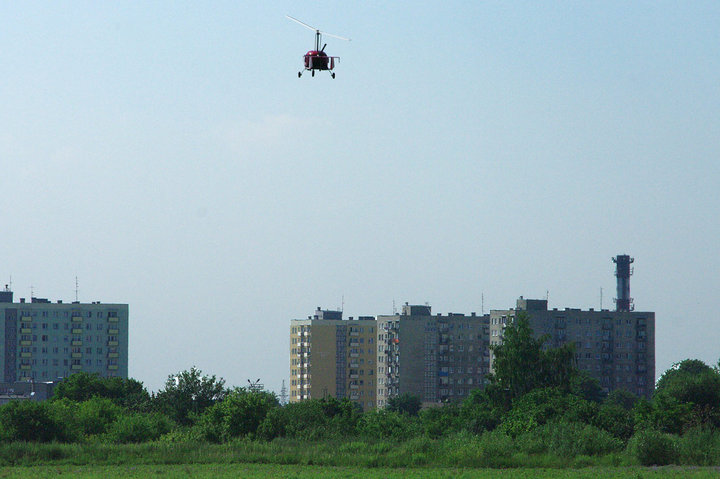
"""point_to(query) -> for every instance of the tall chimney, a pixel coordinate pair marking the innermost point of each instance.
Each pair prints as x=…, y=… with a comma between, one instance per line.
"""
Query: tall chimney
x=623, y=302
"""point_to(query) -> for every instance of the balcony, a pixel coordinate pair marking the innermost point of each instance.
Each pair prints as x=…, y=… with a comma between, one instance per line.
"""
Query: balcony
x=25, y=355
x=113, y=331
x=354, y=333
x=113, y=319
x=353, y=376
x=77, y=331
x=110, y=343
x=25, y=343
x=76, y=319
x=24, y=367
x=76, y=355
x=112, y=367
x=113, y=355
x=25, y=331
x=76, y=343
x=76, y=367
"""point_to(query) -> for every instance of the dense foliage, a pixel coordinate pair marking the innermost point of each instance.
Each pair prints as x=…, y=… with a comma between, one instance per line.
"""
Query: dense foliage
x=536, y=405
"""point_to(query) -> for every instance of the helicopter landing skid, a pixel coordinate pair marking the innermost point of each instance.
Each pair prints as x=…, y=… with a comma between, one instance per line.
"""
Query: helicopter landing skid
x=312, y=72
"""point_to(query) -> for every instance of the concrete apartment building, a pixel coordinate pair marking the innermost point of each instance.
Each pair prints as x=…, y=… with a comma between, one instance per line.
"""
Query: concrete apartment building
x=615, y=347
x=444, y=357
x=436, y=358
x=42, y=341
x=332, y=357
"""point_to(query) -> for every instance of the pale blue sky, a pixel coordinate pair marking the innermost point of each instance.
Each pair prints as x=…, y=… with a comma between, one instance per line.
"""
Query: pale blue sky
x=167, y=154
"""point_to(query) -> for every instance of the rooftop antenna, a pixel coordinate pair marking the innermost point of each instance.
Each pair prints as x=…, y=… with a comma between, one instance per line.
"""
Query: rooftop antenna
x=600, y=299
x=76, y=288
x=342, y=307
x=10, y=283
x=482, y=303
x=32, y=292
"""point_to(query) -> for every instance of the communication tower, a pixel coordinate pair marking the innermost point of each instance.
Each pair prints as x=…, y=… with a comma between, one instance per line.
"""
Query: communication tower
x=623, y=271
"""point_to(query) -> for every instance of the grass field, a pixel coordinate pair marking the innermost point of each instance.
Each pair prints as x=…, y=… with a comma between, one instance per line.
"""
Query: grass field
x=265, y=471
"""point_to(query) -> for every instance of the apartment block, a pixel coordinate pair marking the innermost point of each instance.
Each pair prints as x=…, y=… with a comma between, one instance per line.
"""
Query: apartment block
x=332, y=357
x=441, y=358
x=43, y=341
x=436, y=358
x=615, y=347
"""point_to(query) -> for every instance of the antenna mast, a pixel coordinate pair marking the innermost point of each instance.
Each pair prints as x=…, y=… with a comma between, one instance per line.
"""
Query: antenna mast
x=76, y=288
x=283, y=394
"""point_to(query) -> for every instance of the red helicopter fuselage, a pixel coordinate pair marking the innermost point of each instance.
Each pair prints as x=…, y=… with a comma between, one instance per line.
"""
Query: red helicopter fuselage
x=319, y=60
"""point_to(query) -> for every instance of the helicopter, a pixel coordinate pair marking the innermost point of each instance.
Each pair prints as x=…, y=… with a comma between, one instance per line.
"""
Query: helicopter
x=317, y=59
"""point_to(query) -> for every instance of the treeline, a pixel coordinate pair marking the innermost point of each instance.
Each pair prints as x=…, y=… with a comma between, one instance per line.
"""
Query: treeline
x=537, y=404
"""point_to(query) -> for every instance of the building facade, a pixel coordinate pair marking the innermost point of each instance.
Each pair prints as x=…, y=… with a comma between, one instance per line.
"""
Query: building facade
x=436, y=358
x=332, y=357
x=43, y=341
x=441, y=358
x=615, y=347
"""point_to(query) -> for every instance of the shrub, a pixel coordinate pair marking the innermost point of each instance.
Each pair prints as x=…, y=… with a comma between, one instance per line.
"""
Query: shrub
x=243, y=411
x=139, y=427
x=496, y=444
x=96, y=415
x=382, y=423
x=571, y=439
x=615, y=419
x=30, y=421
x=700, y=447
x=437, y=422
x=653, y=447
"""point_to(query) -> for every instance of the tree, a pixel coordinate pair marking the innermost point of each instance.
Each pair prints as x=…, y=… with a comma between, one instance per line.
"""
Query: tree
x=29, y=421
x=523, y=364
x=129, y=393
x=187, y=394
x=404, y=404
x=693, y=383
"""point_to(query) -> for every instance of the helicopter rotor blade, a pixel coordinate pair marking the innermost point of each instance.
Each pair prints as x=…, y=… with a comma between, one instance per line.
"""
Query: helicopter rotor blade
x=335, y=36
x=303, y=24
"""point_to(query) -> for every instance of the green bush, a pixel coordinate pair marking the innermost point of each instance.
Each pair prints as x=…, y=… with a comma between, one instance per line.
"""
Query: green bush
x=30, y=421
x=496, y=444
x=95, y=415
x=652, y=447
x=700, y=447
x=534, y=409
x=615, y=419
x=441, y=421
x=139, y=427
x=382, y=423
